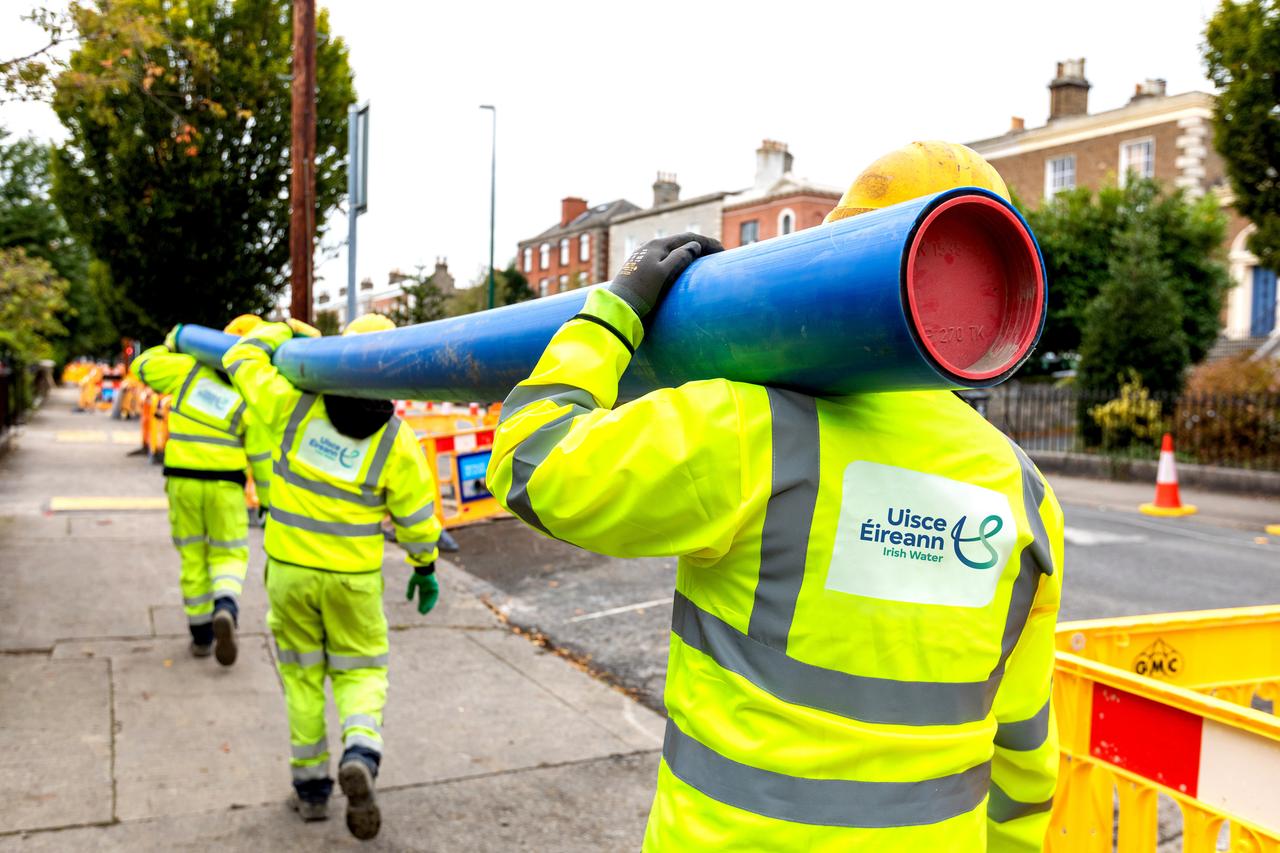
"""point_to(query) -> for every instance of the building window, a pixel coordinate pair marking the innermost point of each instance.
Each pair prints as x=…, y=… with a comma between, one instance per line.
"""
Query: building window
x=584, y=248
x=544, y=287
x=786, y=221
x=582, y=279
x=748, y=232
x=528, y=260
x=564, y=284
x=564, y=251
x=544, y=256
x=1059, y=175
x=1138, y=157
x=693, y=228
x=630, y=245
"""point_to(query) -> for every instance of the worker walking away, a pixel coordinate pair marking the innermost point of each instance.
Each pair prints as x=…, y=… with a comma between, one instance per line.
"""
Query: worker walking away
x=257, y=438
x=339, y=465
x=204, y=467
x=862, y=637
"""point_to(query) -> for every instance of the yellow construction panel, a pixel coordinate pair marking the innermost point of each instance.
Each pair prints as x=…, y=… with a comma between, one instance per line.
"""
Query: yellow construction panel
x=80, y=436
x=108, y=503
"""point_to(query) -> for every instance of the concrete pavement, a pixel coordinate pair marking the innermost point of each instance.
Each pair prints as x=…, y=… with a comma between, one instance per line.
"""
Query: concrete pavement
x=112, y=737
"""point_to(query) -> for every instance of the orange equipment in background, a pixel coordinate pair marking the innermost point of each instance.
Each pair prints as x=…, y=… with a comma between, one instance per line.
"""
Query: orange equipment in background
x=459, y=459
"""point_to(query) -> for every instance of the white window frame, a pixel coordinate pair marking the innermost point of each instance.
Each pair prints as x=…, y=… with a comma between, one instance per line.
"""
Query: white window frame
x=564, y=251
x=629, y=245
x=564, y=284
x=1049, y=189
x=544, y=256
x=783, y=214
x=693, y=228
x=582, y=279
x=584, y=248
x=544, y=286
x=528, y=259
x=753, y=222
x=1126, y=166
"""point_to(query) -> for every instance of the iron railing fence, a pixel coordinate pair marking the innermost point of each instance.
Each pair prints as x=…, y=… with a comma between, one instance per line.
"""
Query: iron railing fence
x=1237, y=431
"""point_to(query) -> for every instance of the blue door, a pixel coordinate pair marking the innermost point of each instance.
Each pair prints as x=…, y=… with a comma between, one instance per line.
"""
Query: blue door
x=1264, y=302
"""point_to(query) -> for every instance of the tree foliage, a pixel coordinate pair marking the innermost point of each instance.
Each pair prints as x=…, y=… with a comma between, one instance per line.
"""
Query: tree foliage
x=1242, y=58
x=1082, y=232
x=175, y=172
x=421, y=300
x=32, y=296
x=509, y=287
x=29, y=220
x=1134, y=329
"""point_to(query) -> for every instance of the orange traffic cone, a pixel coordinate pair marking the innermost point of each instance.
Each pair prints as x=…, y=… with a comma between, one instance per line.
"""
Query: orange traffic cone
x=1167, y=501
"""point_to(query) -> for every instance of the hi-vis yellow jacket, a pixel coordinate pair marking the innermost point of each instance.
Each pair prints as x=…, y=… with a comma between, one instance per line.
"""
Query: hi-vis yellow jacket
x=329, y=492
x=208, y=422
x=862, y=636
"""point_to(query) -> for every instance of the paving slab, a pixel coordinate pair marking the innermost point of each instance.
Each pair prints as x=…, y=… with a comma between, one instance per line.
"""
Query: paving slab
x=191, y=735
x=596, y=806
x=55, y=742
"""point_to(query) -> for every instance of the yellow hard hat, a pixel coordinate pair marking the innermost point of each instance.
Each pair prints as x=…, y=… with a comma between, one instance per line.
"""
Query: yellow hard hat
x=368, y=323
x=915, y=170
x=243, y=325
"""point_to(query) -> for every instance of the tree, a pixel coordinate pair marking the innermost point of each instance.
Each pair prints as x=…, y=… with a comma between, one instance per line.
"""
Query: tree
x=175, y=172
x=1079, y=232
x=1242, y=58
x=1135, y=325
x=509, y=287
x=29, y=220
x=421, y=300
x=32, y=295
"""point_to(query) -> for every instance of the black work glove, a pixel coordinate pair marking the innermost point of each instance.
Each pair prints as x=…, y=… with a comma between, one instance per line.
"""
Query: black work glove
x=651, y=268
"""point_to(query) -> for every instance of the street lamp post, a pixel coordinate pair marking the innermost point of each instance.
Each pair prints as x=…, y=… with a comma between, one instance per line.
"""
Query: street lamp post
x=493, y=190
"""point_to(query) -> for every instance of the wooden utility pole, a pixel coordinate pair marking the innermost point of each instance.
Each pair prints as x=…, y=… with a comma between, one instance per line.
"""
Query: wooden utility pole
x=302, y=155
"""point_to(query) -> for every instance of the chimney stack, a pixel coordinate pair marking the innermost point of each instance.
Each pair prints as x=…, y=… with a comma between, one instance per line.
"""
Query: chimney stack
x=571, y=208
x=1149, y=88
x=1017, y=124
x=1069, y=91
x=772, y=162
x=665, y=189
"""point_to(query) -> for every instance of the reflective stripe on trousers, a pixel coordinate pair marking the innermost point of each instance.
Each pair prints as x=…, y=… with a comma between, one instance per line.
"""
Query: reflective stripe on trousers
x=761, y=657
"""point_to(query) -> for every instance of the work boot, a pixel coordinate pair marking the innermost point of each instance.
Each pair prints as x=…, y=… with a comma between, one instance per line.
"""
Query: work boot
x=199, y=650
x=224, y=632
x=309, y=810
x=201, y=640
x=364, y=818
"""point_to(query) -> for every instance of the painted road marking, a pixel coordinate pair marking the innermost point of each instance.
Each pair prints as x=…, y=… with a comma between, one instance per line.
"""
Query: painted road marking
x=1080, y=536
x=614, y=611
x=122, y=437
x=88, y=504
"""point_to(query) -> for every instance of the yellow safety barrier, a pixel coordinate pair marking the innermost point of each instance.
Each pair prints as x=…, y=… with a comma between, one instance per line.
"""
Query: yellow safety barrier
x=459, y=460
x=1159, y=705
x=75, y=371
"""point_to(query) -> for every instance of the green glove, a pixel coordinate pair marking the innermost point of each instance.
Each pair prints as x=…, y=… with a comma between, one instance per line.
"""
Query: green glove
x=171, y=339
x=423, y=580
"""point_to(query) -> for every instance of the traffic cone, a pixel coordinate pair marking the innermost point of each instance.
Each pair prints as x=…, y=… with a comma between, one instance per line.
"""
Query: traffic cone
x=1167, y=502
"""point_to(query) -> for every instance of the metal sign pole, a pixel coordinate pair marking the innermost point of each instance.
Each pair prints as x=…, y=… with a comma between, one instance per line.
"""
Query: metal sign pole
x=357, y=191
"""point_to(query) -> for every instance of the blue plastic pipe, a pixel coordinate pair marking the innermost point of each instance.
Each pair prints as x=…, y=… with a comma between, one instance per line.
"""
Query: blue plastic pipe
x=826, y=311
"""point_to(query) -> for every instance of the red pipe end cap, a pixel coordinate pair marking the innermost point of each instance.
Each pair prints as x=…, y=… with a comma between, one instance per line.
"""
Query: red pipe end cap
x=975, y=288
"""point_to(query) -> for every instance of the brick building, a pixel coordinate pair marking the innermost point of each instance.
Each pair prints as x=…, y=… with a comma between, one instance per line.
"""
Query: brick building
x=778, y=202
x=669, y=215
x=574, y=252
x=381, y=298
x=1156, y=135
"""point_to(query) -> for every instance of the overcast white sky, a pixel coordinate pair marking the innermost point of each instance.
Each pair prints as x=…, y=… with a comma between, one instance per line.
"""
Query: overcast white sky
x=594, y=98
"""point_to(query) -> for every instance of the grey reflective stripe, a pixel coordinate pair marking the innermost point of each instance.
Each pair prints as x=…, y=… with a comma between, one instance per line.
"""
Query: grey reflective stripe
x=299, y=412
x=373, y=744
x=1024, y=735
x=310, y=750
x=367, y=721
x=260, y=457
x=523, y=395
x=332, y=528
x=417, y=548
x=380, y=455
x=186, y=383
x=858, y=697
x=200, y=618
x=206, y=439
x=233, y=578
x=415, y=517
x=282, y=470
x=307, y=772
x=788, y=519
x=182, y=541
x=341, y=663
x=822, y=802
x=529, y=454
x=198, y=600
x=299, y=658
x=1002, y=808
x=229, y=543
x=236, y=365
x=236, y=416
x=260, y=344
